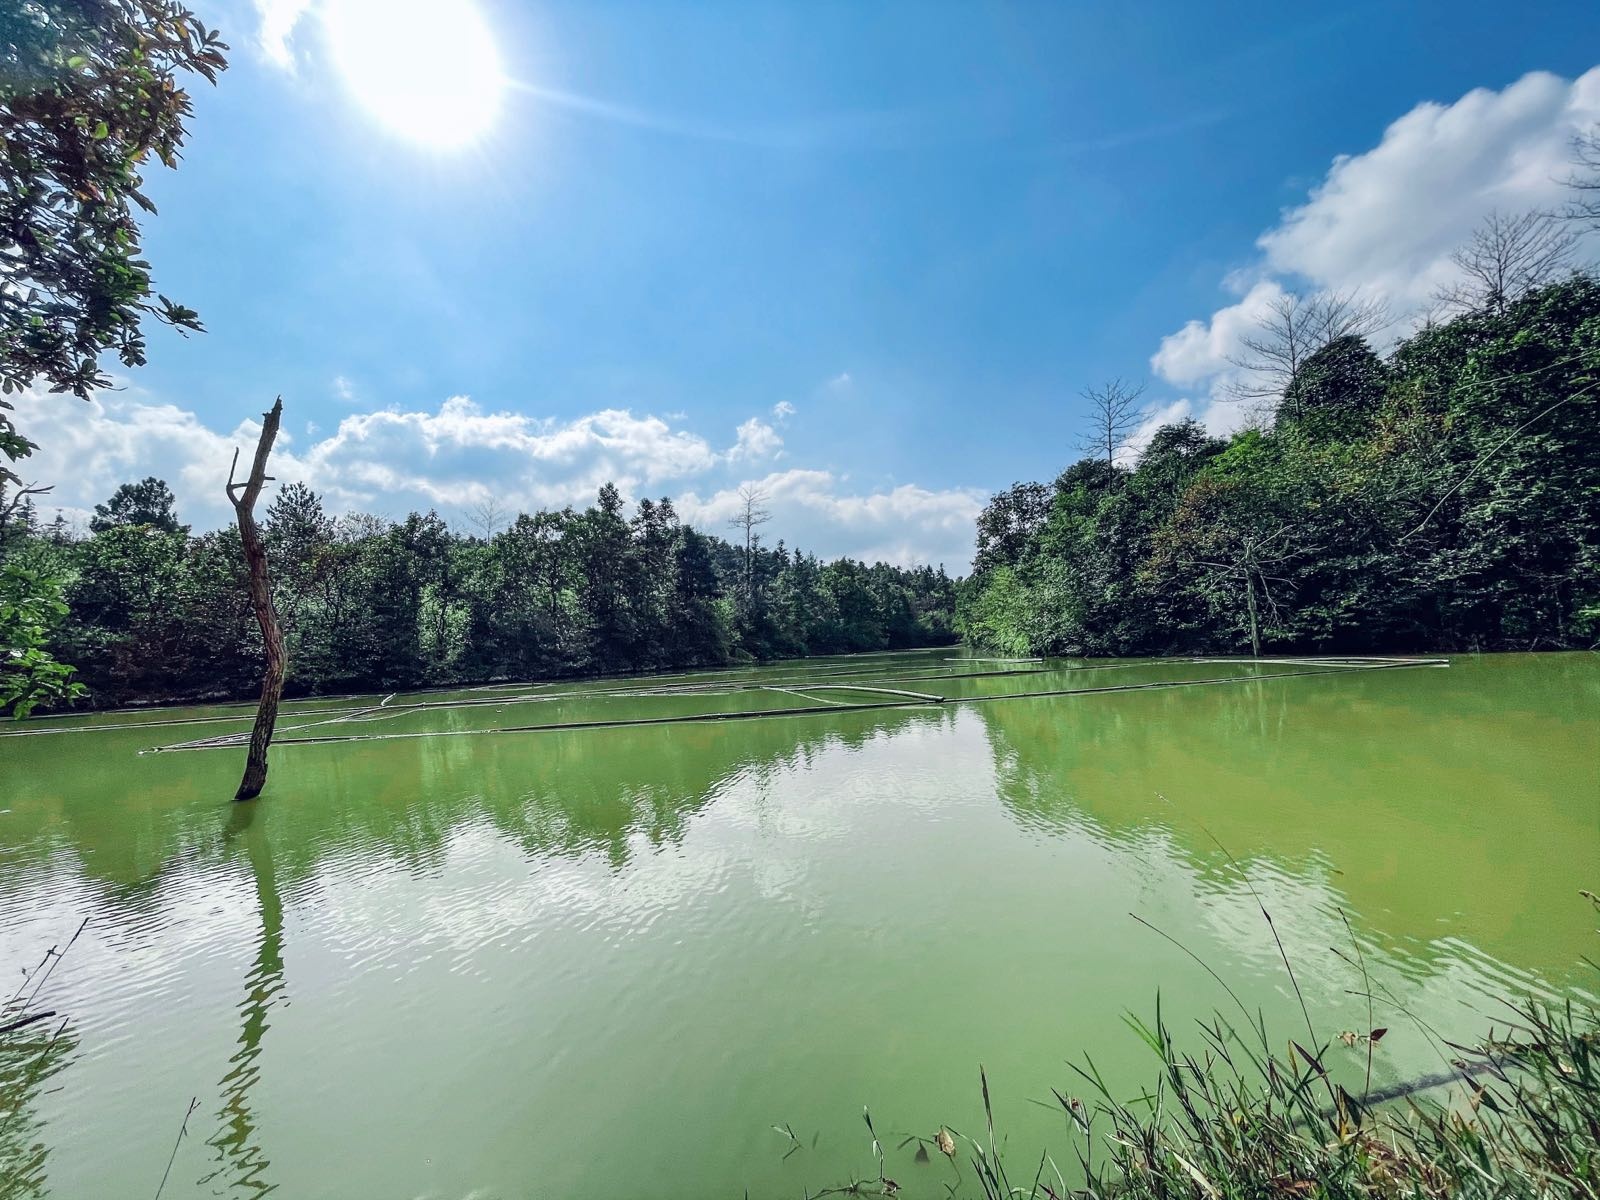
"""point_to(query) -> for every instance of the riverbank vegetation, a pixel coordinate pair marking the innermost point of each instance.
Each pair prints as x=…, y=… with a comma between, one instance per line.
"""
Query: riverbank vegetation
x=1446, y=496
x=145, y=610
x=1241, y=1116
x=1520, y=1121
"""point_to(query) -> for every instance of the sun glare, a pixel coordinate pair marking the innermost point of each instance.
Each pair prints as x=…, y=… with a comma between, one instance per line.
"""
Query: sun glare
x=428, y=70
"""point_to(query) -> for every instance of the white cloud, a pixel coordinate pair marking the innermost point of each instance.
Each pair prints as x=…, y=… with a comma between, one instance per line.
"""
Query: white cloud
x=278, y=20
x=344, y=389
x=812, y=510
x=1383, y=223
x=1201, y=349
x=840, y=381
x=463, y=455
x=756, y=440
x=782, y=411
x=87, y=450
x=1387, y=220
x=389, y=461
x=1155, y=418
x=392, y=462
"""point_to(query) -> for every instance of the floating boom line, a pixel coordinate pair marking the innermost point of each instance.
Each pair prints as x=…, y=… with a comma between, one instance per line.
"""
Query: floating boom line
x=1006, y=660
x=532, y=696
x=807, y=696
x=851, y=687
x=903, y=701
x=641, y=688
x=166, y=724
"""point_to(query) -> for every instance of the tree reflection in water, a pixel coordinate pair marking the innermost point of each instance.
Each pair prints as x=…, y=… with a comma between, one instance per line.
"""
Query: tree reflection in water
x=241, y=1163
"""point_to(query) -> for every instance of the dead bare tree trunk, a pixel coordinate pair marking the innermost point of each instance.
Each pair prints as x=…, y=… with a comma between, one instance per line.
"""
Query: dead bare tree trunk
x=1255, y=618
x=1114, y=416
x=752, y=496
x=243, y=498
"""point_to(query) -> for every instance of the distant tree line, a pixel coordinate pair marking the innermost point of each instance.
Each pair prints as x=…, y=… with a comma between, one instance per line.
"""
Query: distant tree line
x=1446, y=496
x=149, y=611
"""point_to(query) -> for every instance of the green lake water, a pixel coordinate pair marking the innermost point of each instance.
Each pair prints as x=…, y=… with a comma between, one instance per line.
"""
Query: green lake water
x=447, y=960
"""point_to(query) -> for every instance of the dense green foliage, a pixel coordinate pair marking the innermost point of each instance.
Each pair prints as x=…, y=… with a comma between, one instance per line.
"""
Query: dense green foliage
x=1446, y=497
x=154, y=613
x=89, y=91
x=30, y=609
x=148, y=502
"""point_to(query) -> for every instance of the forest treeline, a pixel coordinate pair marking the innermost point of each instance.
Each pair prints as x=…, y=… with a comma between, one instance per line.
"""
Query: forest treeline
x=145, y=610
x=1443, y=497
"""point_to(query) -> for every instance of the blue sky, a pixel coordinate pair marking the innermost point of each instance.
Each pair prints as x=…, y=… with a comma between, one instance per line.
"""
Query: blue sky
x=890, y=241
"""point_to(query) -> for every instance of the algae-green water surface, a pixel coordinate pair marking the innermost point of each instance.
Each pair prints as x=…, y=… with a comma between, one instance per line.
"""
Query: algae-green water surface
x=608, y=961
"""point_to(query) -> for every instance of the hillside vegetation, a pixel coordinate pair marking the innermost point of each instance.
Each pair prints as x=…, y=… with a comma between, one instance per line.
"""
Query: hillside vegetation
x=1446, y=496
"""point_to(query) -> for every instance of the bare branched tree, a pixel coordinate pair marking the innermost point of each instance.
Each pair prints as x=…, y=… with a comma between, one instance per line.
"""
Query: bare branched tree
x=1507, y=258
x=1292, y=330
x=1115, y=412
x=1247, y=566
x=487, y=516
x=1584, y=207
x=752, y=514
x=14, y=501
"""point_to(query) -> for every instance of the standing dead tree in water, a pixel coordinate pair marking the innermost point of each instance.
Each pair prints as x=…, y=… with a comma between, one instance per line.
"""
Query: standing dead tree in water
x=243, y=498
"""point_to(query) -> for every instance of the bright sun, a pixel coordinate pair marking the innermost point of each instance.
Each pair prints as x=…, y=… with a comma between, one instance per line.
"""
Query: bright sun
x=426, y=69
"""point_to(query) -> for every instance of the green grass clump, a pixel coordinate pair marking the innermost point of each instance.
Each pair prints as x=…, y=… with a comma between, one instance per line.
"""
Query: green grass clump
x=1523, y=1121
x=1515, y=1118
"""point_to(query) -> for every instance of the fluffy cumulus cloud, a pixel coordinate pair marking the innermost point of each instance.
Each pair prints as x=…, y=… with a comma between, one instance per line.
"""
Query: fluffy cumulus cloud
x=388, y=461
x=1388, y=219
x=756, y=441
x=87, y=450
x=463, y=455
x=1384, y=223
x=1202, y=349
x=391, y=462
x=818, y=511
